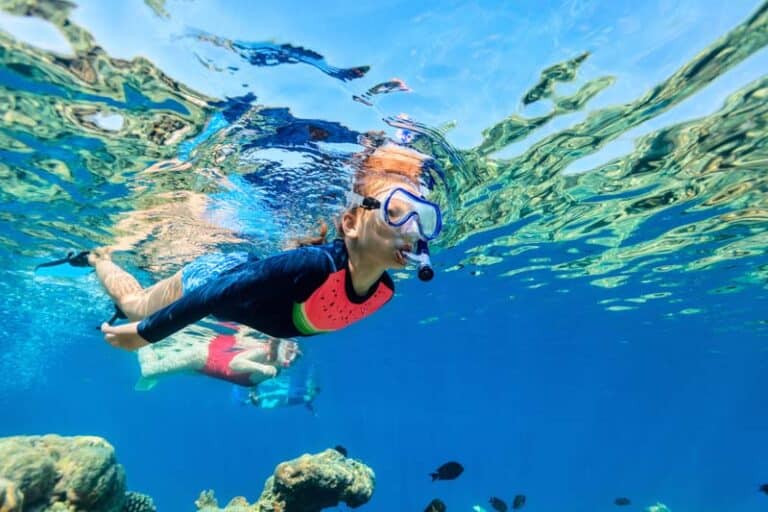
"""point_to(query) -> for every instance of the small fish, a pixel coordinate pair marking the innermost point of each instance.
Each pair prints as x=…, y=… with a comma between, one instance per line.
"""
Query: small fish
x=436, y=505
x=518, y=502
x=340, y=449
x=622, y=501
x=498, y=504
x=764, y=488
x=448, y=471
x=478, y=508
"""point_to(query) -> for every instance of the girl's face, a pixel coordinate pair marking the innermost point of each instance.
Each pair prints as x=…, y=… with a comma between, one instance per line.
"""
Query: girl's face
x=380, y=243
x=287, y=352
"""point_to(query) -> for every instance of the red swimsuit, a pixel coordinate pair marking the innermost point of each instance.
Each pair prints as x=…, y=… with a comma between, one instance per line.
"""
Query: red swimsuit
x=221, y=351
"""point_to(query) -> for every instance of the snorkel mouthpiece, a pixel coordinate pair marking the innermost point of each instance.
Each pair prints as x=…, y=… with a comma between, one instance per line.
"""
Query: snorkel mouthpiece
x=421, y=258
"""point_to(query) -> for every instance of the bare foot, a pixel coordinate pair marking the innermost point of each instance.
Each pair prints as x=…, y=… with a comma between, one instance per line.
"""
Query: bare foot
x=99, y=254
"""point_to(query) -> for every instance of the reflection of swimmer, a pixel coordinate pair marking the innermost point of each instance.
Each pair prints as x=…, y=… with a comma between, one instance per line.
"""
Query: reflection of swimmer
x=306, y=291
x=235, y=357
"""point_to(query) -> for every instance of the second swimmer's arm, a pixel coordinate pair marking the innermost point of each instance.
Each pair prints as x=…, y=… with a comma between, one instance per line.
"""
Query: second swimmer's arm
x=244, y=365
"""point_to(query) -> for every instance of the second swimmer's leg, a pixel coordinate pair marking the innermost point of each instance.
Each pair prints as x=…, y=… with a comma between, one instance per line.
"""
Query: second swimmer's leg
x=183, y=354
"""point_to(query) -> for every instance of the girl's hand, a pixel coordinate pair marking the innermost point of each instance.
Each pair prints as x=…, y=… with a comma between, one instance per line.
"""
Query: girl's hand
x=123, y=336
x=270, y=372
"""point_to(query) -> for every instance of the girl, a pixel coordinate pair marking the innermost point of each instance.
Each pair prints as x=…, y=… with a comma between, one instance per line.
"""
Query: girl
x=316, y=288
x=233, y=354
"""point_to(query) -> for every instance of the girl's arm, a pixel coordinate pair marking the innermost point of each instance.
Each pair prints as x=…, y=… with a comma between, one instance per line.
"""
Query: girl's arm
x=242, y=364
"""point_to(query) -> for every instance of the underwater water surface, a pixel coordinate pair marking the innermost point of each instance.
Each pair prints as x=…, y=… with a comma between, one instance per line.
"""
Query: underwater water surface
x=598, y=323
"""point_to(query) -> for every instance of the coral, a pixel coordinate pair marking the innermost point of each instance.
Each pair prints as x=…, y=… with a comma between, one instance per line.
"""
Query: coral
x=206, y=501
x=91, y=479
x=58, y=474
x=239, y=504
x=78, y=474
x=307, y=484
x=11, y=497
x=137, y=502
x=28, y=466
x=313, y=482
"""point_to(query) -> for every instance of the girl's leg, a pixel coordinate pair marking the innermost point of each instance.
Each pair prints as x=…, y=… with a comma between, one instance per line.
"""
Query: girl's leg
x=183, y=354
x=125, y=291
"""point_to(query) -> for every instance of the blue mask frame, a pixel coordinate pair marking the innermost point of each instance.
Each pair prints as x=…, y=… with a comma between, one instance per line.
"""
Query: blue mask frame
x=421, y=210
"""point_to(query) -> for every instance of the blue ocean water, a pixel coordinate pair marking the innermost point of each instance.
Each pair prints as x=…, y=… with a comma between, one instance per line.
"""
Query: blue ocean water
x=585, y=338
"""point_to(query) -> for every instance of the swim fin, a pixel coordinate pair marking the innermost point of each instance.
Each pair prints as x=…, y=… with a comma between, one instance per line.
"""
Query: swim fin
x=117, y=315
x=145, y=384
x=240, y=395
x=76, y=260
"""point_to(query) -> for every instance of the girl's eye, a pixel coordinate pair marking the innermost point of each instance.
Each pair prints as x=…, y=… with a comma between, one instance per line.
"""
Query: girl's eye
x=396, y=209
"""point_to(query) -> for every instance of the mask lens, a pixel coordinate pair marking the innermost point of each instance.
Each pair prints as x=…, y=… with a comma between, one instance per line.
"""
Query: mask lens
x=398, y=210
x=427, y=220
x=286, y=352
x=401, y=205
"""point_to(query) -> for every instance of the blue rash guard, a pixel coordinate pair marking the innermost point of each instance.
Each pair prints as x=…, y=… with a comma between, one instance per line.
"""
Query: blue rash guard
x=295, y=293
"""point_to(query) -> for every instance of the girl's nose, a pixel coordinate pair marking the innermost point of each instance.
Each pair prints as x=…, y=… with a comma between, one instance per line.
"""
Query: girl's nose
x=411, y=228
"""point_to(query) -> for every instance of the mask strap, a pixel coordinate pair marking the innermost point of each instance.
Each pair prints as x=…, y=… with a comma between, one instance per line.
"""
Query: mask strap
x=367, y=203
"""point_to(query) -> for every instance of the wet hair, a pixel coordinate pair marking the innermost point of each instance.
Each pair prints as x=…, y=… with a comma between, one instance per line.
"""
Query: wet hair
x=376, y=167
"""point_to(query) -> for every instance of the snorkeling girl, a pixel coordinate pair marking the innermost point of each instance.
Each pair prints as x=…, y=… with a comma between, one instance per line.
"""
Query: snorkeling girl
x=318, y=287
x=231, y=353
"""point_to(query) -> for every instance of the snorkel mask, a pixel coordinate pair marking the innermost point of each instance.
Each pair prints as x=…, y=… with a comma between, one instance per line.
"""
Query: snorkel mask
x=287, y=352
x=398, y=206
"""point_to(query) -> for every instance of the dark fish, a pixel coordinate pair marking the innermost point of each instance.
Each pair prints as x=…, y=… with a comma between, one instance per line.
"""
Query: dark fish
x=498, y=504
x=518, y=502
x=435, y=505
x=340, y=449
x=447, y=471
x=622, y=501
x=764, y=488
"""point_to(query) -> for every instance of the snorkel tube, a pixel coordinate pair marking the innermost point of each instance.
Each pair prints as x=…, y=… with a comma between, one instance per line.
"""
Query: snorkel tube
x=421, y=259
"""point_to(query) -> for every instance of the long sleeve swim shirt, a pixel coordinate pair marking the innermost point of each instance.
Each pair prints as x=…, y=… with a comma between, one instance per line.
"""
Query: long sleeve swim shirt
x=301, y=292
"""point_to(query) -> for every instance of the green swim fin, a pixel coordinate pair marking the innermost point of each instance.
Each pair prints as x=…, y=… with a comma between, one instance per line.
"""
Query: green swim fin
x=145, y=384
